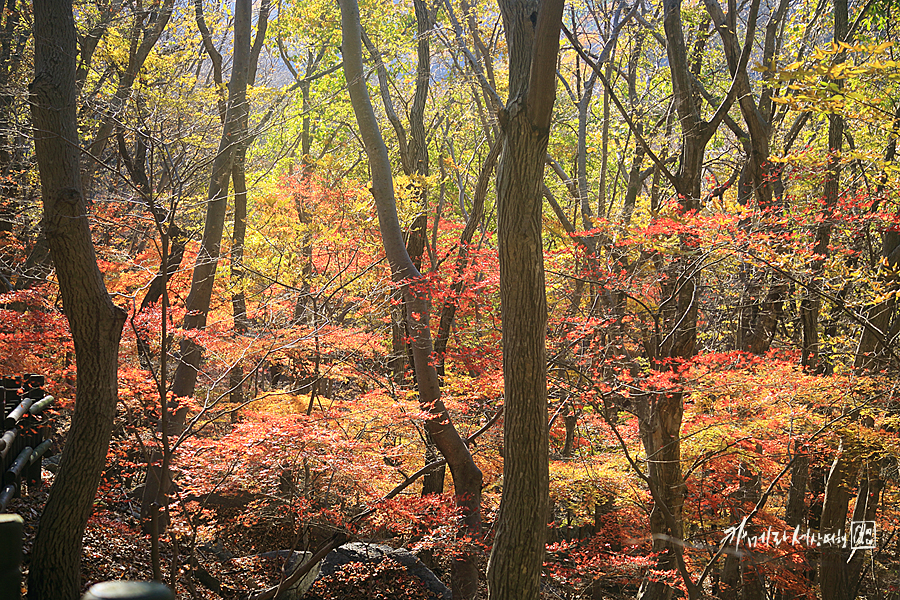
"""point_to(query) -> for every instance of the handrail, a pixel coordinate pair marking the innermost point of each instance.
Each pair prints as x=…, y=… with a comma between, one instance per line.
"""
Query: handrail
x=129, y=590
x=12, y=528
x=22, y=445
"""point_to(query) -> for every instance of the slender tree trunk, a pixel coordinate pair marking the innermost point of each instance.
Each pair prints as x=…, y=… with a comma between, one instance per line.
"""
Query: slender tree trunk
x=448, y=310
x=238, y=235
x=604, y=149
x=634, y=183
x=811, y=304
x=95, y=322
x=532, y=34
x=870, y=354
x=173, y=263
x=197, y=304
x=239, y=231
x=571, y=421
x=13, y=37
x=795, y=511
x=466, y=476
x=148, y=36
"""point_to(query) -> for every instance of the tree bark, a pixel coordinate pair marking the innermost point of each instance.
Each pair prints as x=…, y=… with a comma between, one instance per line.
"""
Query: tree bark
x=239, y=230
x=197, y=304
x=872, y=352
x=95, y=322
x=833, y=573
x=466, y=476
x=811, y=304
x=660, y=414
x=149, y=36
x=532, y=34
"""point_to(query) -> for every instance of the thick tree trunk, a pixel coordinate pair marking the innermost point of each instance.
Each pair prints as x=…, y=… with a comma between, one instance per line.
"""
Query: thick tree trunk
x=660, y=422
x=96, y=323
x=834, y=579
x=466, y=476
x=532, y=34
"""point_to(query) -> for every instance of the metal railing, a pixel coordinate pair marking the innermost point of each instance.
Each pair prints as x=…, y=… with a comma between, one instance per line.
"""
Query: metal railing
x=23, y=433
x=23, y=443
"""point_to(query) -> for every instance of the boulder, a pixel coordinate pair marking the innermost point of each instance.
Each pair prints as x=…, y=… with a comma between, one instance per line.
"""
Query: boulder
x=357, y=552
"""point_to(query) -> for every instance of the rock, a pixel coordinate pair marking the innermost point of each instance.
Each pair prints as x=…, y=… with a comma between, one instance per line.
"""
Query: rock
x=218, y=550
x=374, y=553
x=52, y=463
x=294, y=560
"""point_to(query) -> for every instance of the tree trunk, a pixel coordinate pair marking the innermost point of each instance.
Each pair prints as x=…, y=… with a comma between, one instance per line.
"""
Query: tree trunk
x=173, y=263
x=795, y=511
x=571, y=421
x=13, y=37
x=811, y=305
x=239, y=181
x=532, y=34
x=872, y=353
x=148, y=36
x=740, y=578
x=95, y=322
x=759, y=309
x=867, y=498
x=239, y=232
x=833, y=573
x=660, y=415
x=198, y=302
x=660, y=423
x=466, y=476
x=448, y=310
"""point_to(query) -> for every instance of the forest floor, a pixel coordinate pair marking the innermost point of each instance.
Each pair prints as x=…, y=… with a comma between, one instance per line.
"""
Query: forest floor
x=211, y=566
x=116, y=549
